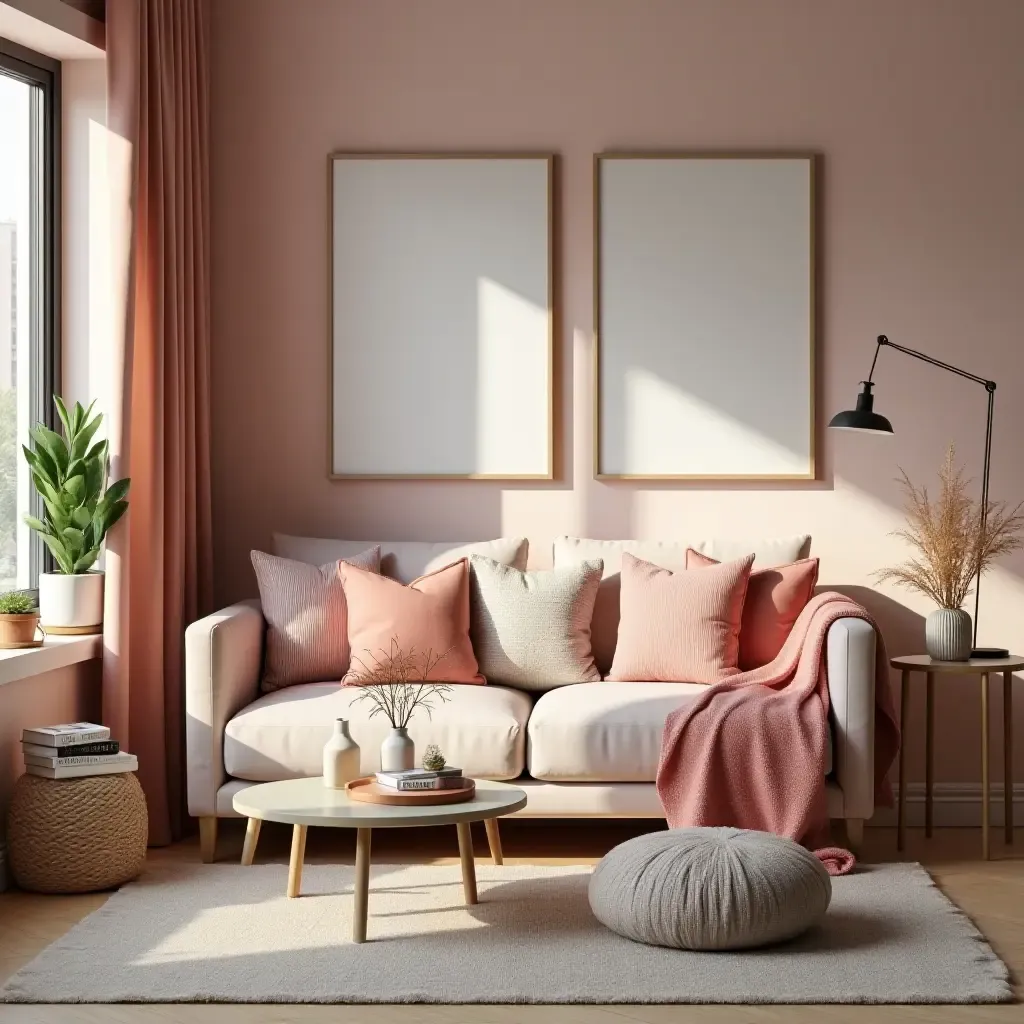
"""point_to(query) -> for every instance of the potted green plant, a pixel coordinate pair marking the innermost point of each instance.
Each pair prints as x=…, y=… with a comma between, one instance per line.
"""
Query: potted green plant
x=19, y=620
x=70, y=473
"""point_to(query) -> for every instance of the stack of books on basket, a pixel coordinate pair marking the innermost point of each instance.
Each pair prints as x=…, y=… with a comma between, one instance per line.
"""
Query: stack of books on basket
x=422, y=778
x=74, y=750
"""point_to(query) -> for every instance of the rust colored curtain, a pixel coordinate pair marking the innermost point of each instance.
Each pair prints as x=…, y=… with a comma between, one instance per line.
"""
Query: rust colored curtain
x=159, y=557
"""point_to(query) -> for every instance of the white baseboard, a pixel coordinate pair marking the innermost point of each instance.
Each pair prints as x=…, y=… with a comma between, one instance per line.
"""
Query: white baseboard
x=955, y=804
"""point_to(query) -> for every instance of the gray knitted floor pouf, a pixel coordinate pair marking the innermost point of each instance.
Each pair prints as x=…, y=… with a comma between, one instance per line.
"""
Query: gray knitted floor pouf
x=709, y=888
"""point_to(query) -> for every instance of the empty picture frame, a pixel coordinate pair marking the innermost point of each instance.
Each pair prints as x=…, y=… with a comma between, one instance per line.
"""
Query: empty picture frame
x=704, y=314
x=442, y=325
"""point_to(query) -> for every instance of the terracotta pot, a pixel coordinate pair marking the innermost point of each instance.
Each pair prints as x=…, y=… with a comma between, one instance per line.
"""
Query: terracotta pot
x=18, y=630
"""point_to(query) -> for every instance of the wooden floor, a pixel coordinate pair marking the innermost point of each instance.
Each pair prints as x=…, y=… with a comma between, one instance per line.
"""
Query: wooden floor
x=991, y=893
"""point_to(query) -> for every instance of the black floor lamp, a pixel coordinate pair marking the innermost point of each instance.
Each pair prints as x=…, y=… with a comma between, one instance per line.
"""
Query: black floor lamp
x=866, y=420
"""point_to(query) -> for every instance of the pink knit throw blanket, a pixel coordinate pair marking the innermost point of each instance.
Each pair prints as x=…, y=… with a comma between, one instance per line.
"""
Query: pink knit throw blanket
x=750, y=751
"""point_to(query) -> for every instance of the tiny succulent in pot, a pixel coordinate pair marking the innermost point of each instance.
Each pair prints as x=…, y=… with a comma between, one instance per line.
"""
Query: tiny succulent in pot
x=16, y=603
x=70, y=474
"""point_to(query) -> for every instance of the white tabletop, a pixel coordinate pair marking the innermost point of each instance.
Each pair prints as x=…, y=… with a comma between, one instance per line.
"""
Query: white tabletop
x=310, y=802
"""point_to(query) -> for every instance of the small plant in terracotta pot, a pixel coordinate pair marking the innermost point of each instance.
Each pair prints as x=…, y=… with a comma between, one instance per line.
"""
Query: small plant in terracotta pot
x=19, y=620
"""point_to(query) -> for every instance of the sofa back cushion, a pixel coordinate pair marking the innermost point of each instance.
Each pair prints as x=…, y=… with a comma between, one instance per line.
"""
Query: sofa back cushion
x=403, y=560
x=775, y=597
x=532, y=629
x=423, y=621
x=307, y=621
x=667, y=555
x=681, y=627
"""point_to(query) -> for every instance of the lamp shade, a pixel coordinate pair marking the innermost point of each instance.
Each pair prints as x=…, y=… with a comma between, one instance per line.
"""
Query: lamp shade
x=863, y=418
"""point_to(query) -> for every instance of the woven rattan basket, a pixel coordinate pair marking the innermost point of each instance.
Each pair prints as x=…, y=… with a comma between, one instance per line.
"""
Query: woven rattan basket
x=76, y=835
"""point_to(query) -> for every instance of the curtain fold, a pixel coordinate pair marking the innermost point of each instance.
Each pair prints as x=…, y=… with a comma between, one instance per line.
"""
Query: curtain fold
x=159, y=558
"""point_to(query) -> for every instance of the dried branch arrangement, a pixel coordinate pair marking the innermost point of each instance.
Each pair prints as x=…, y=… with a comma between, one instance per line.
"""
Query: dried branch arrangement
x=945, y=533
x=397, y=683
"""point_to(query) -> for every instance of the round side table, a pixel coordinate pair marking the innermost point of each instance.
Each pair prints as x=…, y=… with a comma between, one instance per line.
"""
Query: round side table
x=982, y=667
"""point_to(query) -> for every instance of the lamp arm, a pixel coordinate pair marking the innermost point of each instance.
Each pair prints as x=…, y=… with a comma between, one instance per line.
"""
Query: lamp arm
x=883, y=340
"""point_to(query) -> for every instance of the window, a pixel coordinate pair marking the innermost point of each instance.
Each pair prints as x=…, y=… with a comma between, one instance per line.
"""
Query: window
x=29, y=290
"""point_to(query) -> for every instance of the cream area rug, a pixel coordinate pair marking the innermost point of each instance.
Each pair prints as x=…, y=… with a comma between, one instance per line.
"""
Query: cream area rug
x=221, y=932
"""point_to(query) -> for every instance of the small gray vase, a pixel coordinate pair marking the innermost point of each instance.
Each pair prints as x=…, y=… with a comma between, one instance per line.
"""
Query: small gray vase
x=947, y=634
x=397, y=752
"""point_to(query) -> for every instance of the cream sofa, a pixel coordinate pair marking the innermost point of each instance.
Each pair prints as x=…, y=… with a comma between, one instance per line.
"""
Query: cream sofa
x=585, y=750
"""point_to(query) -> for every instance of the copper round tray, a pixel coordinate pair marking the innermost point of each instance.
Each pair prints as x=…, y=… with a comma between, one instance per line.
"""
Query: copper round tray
x=369, y=791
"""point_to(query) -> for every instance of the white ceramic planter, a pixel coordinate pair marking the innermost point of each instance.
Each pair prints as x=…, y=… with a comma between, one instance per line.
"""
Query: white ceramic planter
x=397, y=752
x=947, y=634
x=71, y=604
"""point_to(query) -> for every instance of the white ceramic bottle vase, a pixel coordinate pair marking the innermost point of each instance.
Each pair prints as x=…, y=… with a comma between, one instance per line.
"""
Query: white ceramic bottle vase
x=341, y=757
x=397, y=752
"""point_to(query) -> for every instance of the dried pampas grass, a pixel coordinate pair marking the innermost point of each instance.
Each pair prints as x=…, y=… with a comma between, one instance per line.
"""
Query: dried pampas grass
x=946, y=535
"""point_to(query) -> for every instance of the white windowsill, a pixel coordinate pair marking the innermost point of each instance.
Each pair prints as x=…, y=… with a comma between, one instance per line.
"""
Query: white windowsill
x=56, y=652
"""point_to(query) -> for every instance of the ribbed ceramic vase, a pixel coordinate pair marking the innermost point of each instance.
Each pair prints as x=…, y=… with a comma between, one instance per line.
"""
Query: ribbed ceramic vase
x=947, y=634
x=341, y=757
x=397, y=752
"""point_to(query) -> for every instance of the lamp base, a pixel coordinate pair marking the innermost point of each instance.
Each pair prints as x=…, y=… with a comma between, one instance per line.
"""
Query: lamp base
x=989, y=653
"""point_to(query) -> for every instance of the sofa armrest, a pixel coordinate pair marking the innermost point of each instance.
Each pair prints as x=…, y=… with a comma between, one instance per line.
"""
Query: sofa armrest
x=850, y=670
x=223, y=653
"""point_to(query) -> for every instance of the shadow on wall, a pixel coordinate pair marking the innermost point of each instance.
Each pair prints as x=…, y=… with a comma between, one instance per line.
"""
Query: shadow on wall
x=903, y=627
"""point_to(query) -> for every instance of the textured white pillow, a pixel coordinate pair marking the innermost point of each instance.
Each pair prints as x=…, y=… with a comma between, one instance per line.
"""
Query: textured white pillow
x=709, y=888
x=532, y=629
x=403, y=560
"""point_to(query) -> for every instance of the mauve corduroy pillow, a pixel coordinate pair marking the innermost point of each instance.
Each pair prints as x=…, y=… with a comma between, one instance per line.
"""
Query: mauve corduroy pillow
x=775, y=598
x=307, y=621
x=679, y=627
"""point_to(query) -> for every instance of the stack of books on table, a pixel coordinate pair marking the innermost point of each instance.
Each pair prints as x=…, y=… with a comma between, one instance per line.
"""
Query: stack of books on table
x=421, y=778
x=74, y=750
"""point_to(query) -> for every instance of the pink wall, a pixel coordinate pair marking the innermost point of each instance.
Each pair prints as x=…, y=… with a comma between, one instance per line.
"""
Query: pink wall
x=70, y=694
x=915, y=108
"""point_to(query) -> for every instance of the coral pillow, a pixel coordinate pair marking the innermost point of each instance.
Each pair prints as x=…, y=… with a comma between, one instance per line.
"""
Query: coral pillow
x=775, y=597
x=426, y=618
x=307, y=624
x=679, y=627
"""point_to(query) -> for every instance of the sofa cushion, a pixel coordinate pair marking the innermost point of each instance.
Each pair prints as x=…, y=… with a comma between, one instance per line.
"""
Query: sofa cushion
x=678, y=626
x=532, y=629
x=414, y=632
x=767, y=551
x=605, y=732
x=482, y=730
x=403, y=560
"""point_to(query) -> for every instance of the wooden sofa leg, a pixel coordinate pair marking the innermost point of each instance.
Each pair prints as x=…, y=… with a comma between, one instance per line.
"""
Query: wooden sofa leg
x=208, y=839
x=855, y=833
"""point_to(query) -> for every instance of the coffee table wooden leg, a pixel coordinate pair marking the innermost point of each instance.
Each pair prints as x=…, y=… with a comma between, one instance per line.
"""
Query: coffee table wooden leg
x=252, y=835
x=295, y=864
x=468, y=867
x=1008, y=757
x=361, y=886
x=901, y=821
x=985, y=796
x=494, y=840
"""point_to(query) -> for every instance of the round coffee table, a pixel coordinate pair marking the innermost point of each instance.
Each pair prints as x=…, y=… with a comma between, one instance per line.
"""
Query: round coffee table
x=305, y=802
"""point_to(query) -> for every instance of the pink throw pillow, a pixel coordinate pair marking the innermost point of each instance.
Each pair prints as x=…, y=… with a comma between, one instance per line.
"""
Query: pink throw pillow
x=681, y=627
x=307, y=624
x=775, y=598
x=429, y=616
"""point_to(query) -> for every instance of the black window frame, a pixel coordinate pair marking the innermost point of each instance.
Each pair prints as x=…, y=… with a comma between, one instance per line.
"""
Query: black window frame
x=44, y=72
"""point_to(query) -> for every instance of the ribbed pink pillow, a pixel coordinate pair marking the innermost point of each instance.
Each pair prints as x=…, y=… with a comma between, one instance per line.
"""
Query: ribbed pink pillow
x=681, y=627
x=307, y=624
x=775, y=598
x=430, y=615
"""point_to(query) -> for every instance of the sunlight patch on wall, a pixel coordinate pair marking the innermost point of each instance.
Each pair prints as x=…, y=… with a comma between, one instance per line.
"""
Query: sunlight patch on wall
x=511, y=410
x=660, y=417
